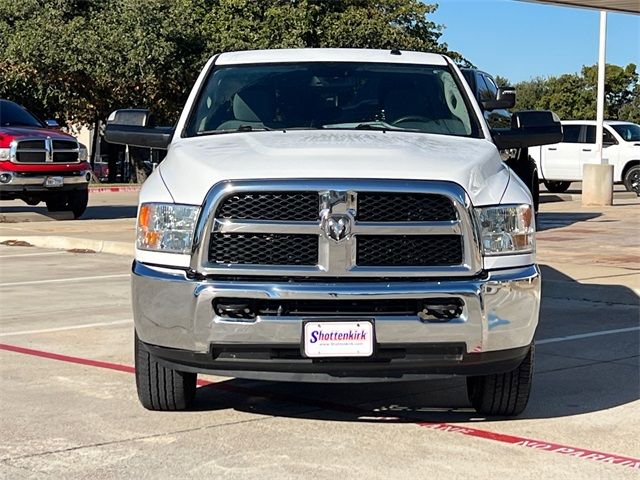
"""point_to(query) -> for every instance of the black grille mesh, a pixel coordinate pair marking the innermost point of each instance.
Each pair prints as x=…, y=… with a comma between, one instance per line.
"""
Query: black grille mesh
x=64, y=145
x=408, y=250
x=263, y=249
x=66, y=157
x=35, y=144
x=404, y=207
x=291, y=206
x=30, y=157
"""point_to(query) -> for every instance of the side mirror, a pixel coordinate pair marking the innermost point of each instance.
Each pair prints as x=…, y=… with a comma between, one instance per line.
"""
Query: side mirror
x=528, y=129
x=505, y=99
x=135, y=127
x=51, y=123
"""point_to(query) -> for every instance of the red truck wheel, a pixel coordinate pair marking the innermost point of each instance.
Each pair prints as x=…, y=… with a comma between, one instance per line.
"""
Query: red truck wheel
x=75, y=201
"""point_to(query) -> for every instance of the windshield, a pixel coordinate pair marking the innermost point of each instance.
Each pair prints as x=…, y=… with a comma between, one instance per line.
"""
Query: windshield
x=13, y=115
x=630, y=132
x=367, y=96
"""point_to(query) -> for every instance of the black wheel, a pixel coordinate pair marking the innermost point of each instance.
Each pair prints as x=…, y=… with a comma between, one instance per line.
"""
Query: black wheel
x=557, y=186
x=32, y=201
x=56, y=204
x=632, y=179
x=77, y=202
x=527, y=171
x=161, y=388
x=504, y=393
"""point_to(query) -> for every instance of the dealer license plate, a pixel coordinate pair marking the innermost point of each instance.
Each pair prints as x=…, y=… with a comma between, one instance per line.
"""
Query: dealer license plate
x=338, y=339
x=53, y=182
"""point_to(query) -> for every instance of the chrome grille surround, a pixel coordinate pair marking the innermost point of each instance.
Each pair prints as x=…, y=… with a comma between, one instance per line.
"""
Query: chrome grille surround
x=47, y=150
x=337, y=258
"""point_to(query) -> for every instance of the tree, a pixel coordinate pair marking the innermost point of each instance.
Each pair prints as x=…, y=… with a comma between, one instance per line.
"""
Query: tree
x=502, y=81
x=573, y=96
x=630, y=111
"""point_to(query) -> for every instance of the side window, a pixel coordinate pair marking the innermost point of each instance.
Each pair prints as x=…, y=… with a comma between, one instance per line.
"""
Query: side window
x=571, y=133
x=608, y=138
x=483, y=90
x=591, y=134
x=491, y=85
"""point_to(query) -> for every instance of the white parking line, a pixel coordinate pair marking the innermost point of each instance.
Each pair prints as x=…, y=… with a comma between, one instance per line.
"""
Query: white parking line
x=68, y=327
x=32, y=254
x=586, y=335
x=63, y=280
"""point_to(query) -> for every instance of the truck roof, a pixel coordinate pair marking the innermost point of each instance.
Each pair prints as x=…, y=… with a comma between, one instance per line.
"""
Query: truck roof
x=295, y=55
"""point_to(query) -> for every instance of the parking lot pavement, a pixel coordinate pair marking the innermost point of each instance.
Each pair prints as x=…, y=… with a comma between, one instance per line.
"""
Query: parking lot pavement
x=69, y=408
x=102, y=205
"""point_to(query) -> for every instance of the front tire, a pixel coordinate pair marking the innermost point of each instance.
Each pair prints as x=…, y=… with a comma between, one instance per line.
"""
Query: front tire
x=75, y=201
x=632, y=179
x=557, y=186
x=161, y=388
x=78, y=201
x=504, y=394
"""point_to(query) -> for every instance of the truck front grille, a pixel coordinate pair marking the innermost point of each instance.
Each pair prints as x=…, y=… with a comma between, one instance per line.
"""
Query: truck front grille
x=263, y=249
x=408, y=250
x=404, y=207
x=338, y=229
x=291, y=206
x=44, y=151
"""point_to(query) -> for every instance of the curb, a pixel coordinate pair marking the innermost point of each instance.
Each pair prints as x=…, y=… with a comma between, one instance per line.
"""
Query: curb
x=133, y=188
x=73, y=243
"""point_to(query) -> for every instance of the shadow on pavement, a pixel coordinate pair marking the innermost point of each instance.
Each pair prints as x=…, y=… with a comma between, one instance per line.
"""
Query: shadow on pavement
x=98, y=212
x=551, y=220
x=572, y=377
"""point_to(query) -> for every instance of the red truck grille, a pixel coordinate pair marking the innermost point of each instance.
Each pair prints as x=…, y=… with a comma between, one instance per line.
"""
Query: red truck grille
x=44, y=151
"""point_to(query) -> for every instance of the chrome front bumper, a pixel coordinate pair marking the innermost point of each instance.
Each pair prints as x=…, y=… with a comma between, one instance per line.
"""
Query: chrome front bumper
x=500, y=310
x=36, y=182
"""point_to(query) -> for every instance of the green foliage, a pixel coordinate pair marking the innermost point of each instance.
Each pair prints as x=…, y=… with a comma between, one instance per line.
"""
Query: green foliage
x=77, y=60
x=502, y=81
x=573, y=96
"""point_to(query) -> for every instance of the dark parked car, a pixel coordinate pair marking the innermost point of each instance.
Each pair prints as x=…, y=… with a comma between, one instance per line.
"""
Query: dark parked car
x=497, y=114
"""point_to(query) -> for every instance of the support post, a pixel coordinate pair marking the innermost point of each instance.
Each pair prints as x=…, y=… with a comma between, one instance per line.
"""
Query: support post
x=597, y=179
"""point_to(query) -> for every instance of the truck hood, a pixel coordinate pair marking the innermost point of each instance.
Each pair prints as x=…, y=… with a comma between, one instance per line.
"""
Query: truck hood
x=17, y=132
x=194, y=165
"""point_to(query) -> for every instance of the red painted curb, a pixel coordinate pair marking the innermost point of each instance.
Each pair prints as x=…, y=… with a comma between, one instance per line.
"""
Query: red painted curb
x=114, y=189
x=582, y=453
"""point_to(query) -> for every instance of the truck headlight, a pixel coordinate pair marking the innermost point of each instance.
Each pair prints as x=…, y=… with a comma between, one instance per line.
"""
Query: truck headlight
x=166, y=227
x=506, y=229
x=83, y=154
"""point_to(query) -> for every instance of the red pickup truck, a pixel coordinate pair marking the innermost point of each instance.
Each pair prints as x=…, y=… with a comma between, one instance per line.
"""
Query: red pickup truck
x=39, y=163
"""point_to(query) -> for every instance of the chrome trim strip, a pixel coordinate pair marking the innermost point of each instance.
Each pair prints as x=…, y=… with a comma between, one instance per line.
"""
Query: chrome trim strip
x=337, y=258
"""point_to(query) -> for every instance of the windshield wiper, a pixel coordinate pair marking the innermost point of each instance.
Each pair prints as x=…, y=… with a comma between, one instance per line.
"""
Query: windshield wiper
x=240, y=128
x=368, y=126
x=373, y=125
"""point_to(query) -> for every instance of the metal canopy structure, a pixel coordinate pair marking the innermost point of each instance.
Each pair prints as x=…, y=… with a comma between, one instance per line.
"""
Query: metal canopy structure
x=623, y=6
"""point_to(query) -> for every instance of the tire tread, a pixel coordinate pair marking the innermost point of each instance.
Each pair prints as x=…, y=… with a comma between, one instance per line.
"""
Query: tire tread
x=159, y=387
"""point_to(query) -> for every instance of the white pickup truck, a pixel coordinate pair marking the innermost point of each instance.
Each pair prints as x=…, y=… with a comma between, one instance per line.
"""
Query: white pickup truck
x=334, y=215
x=562, y=163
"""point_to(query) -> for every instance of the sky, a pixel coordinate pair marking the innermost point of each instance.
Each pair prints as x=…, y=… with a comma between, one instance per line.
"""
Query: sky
x=521, y=40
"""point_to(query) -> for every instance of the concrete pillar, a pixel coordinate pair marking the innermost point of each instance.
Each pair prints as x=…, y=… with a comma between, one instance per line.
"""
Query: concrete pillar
x=597, y=184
